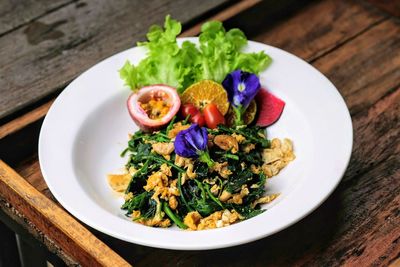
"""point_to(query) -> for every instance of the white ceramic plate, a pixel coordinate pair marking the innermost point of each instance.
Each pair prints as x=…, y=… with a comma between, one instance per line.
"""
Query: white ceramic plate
x=87, y=127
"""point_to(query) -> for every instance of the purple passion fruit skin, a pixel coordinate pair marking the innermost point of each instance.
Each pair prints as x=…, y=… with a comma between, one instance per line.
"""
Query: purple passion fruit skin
x=154, y=106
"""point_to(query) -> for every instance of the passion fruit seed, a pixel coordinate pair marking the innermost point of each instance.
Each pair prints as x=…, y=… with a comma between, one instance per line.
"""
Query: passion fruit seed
x=156, y=109
x=154, y=106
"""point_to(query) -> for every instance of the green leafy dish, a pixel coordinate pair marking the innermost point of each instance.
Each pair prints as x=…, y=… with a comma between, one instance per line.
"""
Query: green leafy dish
x=193, y=169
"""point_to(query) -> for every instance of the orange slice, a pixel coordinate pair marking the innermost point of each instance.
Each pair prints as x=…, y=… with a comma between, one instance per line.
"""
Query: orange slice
x=204, y=92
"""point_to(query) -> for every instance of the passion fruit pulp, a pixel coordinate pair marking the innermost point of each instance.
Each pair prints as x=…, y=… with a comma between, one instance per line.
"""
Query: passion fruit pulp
x=152, y=107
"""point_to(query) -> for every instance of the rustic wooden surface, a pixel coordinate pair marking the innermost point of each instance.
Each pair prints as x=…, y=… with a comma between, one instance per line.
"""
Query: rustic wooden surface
x=356, y=44
x=71, y=237
x=49, y=51
x=39, y=112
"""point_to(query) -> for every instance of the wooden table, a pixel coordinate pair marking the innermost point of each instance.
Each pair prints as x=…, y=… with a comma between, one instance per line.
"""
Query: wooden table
x=356, y=44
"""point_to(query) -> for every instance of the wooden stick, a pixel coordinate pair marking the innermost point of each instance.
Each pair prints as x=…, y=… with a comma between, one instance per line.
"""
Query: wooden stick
x=53, y=221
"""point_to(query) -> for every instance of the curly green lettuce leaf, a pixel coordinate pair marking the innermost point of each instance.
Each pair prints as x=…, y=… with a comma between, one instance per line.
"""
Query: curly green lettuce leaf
x=218, y=53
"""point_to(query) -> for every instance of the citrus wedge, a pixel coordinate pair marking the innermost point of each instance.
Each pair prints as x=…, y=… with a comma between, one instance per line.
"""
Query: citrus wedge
x=205, y=92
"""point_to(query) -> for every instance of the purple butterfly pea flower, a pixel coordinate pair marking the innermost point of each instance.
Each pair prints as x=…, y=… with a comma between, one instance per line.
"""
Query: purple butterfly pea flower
x=192, y=143
x=241, y=87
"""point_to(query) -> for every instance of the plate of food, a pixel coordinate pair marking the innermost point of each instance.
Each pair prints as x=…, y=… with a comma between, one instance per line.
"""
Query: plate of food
x=195, y=143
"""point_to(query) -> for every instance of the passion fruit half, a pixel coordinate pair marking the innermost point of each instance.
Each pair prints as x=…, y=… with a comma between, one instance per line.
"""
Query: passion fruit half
x=152, y=107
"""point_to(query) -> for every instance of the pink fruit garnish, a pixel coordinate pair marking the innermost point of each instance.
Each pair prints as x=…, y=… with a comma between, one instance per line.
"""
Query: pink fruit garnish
x=269, y=106
x=153, y=106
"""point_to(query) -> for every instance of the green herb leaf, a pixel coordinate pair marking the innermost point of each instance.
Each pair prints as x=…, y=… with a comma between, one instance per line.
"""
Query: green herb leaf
x=219, y=53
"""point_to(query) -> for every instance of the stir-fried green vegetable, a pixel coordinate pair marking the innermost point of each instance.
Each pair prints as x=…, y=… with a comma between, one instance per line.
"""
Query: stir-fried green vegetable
x=218, y=53
x=195, y=194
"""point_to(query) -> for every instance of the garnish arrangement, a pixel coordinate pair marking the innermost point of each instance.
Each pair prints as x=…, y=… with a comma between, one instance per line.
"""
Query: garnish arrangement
x=201, y=158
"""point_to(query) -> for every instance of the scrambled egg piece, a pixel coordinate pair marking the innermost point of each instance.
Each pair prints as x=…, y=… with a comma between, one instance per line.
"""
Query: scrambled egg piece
x=277, y=157
x=215, y=220
x=187, y=164
x=239, y=138
x=225, y=195
x=226, y=142
x=176, y=129
x=255, y=169
x=163, y=149
x=165, y=169
x=157, y=179
x=222, y=169
x=210, y=221
x=192, y=219
x=215, y=189
x=119, y=182
x=247, y=148
x=264, y=200
x=172, y=202
x=238, y=198
x=154, y=222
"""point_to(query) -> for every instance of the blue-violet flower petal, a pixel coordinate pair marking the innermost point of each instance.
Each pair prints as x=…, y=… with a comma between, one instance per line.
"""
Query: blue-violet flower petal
x=191, y=142
x=241, y=87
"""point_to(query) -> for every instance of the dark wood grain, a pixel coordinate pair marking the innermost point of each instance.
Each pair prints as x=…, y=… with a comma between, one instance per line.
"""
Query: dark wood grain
x=390, y=6
x=47, y=53
x=358, y=47
x=37, y=113
x=320, y=27
x=14, y=14
x=359, y=224
x=367, y=68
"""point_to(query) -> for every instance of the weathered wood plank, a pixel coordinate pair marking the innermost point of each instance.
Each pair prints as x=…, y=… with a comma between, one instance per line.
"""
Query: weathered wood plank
x=53, y=221
x=320, y=27
x=39, y=112
x=370, y=65
x=358, y=224
x=45, y=55
x=24, y=120
x=14, y=14
x=390, y=6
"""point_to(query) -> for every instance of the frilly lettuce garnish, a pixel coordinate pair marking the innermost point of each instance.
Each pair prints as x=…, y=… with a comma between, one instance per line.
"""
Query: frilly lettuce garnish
x=218, y=54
